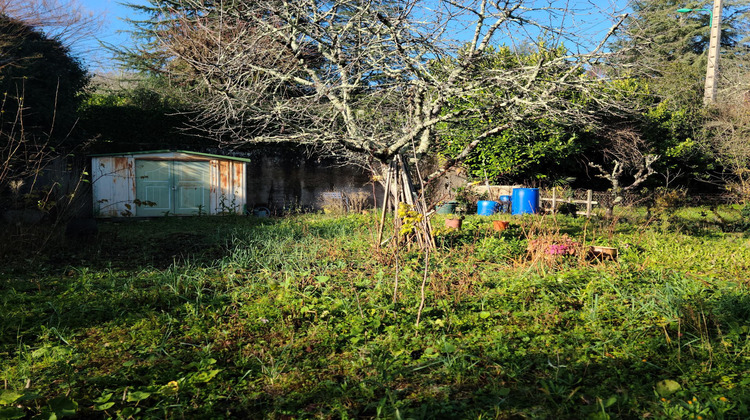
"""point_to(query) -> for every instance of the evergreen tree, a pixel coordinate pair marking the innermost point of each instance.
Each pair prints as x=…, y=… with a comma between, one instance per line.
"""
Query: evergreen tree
x=41, y=77
x=663, y=54
x=669, y=47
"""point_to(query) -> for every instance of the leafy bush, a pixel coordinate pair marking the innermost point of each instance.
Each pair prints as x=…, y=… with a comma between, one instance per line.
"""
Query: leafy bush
x=745, y=218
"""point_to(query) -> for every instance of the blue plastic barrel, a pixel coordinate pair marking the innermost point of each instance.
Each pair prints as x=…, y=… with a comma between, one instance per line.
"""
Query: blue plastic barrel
x=487, y=208
x=525, y=201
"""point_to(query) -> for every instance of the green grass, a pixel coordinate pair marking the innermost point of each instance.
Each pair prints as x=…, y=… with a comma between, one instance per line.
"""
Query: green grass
x=294, y=318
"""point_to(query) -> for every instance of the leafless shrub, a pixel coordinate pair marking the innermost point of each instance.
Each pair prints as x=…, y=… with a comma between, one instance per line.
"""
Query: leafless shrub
x=548, y=248
x=23, y=154
x=629, y=160
x=358, y=201
x=730, y=126
x=25, y=160
x=333, y=202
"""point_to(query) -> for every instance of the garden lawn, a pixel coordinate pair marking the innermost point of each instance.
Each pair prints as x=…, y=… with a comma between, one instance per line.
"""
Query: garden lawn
x=213, y=317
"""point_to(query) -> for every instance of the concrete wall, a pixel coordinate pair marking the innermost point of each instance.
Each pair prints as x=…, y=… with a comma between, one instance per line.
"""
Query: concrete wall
x=62, y=182
x=283, y=181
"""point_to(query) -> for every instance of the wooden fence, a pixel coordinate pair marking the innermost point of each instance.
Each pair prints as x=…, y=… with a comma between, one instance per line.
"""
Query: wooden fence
x=589, y=202
x=586, y=201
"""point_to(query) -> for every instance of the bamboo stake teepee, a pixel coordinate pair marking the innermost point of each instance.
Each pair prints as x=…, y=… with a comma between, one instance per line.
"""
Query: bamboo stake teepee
x=399, y=189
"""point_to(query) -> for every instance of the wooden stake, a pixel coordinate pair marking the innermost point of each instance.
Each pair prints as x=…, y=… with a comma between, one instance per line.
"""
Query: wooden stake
x=386, y=195
x=554, y=200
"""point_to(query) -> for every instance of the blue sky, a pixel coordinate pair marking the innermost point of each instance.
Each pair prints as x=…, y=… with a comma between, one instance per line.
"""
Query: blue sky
x=112, y=13
x=589, y=21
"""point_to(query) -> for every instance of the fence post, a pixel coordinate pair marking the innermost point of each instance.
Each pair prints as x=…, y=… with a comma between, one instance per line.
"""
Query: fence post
x=554, y=203
x=589, y=198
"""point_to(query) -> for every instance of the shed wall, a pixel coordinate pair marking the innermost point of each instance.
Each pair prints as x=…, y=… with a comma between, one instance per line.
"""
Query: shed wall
x=227, y=186
x=113, y=184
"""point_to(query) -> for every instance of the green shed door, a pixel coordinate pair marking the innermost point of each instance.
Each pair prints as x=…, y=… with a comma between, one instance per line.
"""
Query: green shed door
x=153, y=187
x=171, y=187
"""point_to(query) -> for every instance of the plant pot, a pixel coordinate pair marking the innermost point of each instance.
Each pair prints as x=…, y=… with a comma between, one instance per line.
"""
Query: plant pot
x=261, y=212
x=453, y=223
x=447, y=208
x=500, y=225
x=602, y=253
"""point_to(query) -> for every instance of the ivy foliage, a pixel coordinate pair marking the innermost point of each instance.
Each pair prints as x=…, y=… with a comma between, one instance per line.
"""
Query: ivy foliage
x=144, y=116
x=529, y=147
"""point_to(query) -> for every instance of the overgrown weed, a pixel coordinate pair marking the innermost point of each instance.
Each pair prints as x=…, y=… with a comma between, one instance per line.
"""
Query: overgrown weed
x=296, y=317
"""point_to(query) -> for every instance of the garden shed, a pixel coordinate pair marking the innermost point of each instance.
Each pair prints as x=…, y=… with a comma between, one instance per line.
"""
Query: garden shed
x=167, y=182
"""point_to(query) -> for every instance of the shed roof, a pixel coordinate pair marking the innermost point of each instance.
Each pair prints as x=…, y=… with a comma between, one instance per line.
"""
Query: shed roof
x=148, y=152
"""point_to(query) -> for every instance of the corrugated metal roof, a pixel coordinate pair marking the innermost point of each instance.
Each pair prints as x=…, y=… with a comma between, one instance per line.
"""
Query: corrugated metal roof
x=174, y=151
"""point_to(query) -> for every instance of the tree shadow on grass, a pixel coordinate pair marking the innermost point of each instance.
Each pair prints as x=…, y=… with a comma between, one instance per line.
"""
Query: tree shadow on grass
x=157, y=243
x=128, y=272
x=568, y=392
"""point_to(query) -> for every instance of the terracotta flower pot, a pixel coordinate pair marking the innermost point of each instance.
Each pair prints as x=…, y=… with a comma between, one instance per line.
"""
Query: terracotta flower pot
x=602, y=253
x=453, y=223
x=500, y=225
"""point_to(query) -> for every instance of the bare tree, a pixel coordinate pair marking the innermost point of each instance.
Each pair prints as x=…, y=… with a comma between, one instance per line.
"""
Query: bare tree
x=374, y=78
x=730, y=129
x=629, y=160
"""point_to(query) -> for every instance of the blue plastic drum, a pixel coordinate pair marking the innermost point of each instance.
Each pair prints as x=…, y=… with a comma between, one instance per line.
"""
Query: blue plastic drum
x=525, y=201
x=487, y=208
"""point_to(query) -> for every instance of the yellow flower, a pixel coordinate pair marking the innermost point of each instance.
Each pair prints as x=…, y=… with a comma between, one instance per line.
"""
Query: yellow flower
x=170, y=388
x=723, y=399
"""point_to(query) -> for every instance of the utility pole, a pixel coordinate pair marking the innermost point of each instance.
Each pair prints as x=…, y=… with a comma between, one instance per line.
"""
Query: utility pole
x=714, y=41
